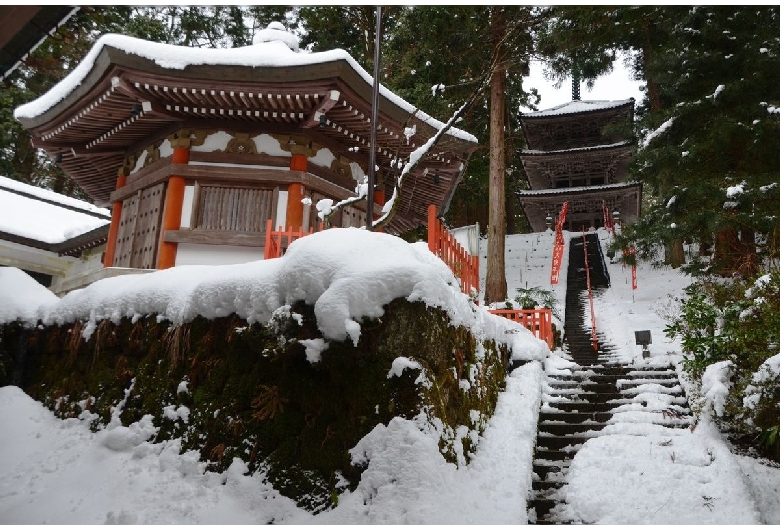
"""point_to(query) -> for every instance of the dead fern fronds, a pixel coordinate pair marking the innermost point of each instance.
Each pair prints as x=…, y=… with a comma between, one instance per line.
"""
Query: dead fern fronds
x=268, y=403
x=459, y=358
x=236, y=426
x=177, y=339
x=74, y=341
x=217, y=453
x=136, y=335
x=102, y=336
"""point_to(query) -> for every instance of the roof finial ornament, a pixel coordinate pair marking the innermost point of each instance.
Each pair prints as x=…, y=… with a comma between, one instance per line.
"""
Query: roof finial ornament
x=275, y=31
x=575, y=84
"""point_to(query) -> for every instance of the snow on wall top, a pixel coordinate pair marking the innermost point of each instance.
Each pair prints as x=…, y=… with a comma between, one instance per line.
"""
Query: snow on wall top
x=574, y=107
x=42, y=221
x=345, y=273
x=272, y=49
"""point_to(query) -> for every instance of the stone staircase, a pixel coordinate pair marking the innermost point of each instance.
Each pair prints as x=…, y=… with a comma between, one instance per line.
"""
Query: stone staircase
x=592, y=392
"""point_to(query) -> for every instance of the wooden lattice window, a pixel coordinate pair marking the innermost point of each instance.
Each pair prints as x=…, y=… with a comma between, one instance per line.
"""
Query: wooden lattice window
x=233, y=209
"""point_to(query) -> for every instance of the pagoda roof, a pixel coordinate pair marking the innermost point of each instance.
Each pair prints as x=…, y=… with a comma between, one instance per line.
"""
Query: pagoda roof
x=573, y=150
x=584, y=202
x=578, y=107
x=578, y=190
x=128, y=93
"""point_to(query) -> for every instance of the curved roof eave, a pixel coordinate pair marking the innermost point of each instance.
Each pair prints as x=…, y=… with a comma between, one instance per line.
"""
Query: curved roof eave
x=271, y=61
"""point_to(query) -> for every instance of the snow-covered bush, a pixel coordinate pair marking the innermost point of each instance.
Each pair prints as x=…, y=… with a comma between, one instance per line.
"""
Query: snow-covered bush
x=730, y=333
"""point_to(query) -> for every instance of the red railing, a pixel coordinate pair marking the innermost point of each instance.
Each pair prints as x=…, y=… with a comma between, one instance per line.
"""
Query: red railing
x=277, y=241
x=462, y=264
x=537, y=321
x=590, y=296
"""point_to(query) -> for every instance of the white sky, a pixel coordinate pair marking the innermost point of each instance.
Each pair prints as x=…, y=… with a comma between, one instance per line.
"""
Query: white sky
x=614, y=86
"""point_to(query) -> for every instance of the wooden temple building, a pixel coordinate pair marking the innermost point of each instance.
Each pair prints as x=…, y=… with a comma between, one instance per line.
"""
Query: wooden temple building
x=194, y=150
x=579, y=153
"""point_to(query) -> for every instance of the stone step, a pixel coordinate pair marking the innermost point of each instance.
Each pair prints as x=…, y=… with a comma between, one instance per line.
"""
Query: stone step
x=565, y=429
x=553, y=455
x=548, y=441
x=544, y=488
x=542, y=507
x=575, y=417
x=580, y=406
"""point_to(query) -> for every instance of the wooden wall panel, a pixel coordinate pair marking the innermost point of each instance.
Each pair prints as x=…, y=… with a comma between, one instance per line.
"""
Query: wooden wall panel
x=234, y=209
x=124, y=239
x=147, y=228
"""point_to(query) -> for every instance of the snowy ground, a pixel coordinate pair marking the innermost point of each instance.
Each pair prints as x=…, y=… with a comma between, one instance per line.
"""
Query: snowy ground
x=54, y=471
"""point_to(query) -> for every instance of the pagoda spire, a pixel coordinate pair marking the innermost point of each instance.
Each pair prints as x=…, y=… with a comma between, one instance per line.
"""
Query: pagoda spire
x=575, y=85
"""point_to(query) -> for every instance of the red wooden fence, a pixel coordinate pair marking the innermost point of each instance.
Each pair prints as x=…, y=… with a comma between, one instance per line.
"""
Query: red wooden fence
x=462, y=264
x=277, y=241
x=538, y=321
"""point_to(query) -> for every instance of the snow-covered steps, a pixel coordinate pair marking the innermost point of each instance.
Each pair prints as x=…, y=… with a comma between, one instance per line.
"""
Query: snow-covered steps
x=583, y=402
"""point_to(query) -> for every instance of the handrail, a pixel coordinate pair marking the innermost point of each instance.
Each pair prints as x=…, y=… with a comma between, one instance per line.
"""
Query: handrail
x=462, y=264
x=277, y=241
x=594, y=338
x=537, y=321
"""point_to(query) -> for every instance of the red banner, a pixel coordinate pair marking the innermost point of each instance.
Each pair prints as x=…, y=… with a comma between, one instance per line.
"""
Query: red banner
x=562, y=217
x=632, y=251
x=556, y=264
x=558, y=249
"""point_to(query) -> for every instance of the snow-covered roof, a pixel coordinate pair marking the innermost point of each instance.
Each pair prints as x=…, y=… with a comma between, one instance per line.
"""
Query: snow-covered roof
x=45, y=216
x=573, y=149
x=580, y=189
x=266, y=53
x=578, y=106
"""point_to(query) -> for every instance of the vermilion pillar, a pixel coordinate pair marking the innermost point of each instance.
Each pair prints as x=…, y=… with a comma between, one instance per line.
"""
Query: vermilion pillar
x=174, y=200
x=379, y=199
x=113, y=230
x=295, y=193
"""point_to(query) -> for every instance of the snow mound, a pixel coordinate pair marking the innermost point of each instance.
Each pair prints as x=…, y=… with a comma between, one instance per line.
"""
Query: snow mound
x=21, y=296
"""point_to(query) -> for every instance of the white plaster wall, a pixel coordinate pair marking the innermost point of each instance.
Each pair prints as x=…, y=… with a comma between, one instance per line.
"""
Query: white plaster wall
x=192, y=254
x=166, y=149
x=281, y=210
x=214, y=142
x=265, y=143
x=186, y=207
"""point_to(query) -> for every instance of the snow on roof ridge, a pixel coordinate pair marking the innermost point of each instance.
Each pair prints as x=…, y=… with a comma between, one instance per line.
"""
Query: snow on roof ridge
x=574, y=149
x=580, y=105
x=7, y=184
x=265, y=54
x=618, y=185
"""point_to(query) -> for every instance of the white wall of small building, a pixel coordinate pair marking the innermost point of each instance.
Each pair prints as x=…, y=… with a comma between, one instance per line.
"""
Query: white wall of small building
x=193, y=254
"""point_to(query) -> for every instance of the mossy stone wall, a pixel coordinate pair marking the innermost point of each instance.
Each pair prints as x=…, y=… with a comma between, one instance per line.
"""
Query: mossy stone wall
x=252, y=394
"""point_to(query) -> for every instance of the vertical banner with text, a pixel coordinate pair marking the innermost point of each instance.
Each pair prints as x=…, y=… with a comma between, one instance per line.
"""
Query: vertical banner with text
x=557, y=256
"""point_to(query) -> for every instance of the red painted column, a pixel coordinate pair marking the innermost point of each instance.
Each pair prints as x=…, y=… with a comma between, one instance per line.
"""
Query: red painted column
x=113, y=230
x=174, y=199
x=295, y=193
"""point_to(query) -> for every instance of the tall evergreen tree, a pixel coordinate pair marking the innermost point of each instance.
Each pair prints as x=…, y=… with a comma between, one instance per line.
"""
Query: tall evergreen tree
x=438, y=55
x=718, y=142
